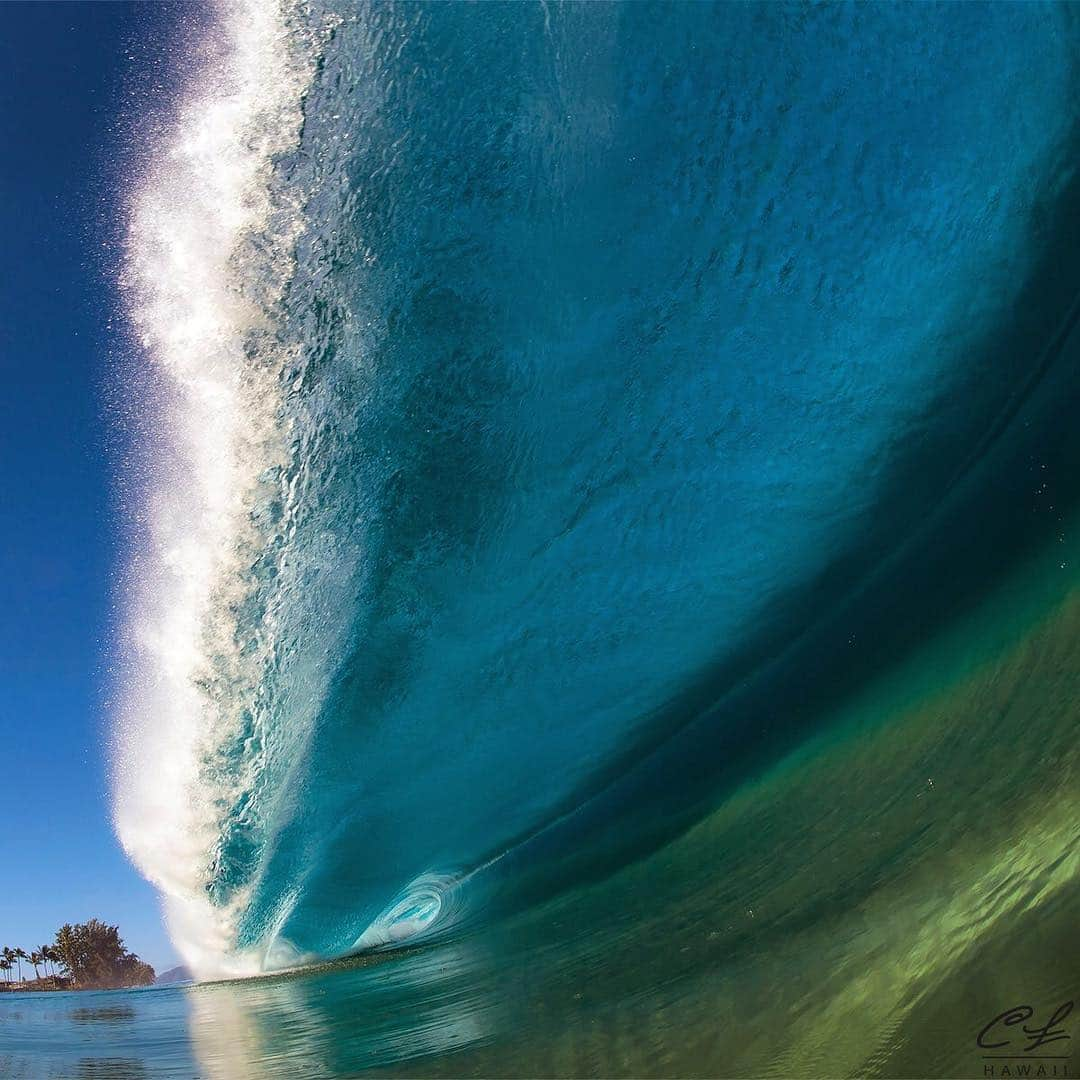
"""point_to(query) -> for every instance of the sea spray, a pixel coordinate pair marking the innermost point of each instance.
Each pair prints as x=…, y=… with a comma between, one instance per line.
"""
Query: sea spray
x=209, y=255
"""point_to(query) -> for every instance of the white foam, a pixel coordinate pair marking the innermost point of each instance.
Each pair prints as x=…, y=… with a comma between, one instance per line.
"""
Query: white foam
x=210, y=251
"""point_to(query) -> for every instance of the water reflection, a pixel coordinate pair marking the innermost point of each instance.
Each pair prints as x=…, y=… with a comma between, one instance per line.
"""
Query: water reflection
x=107, y=1014
x=111, y=1069
x=346, y=1018
x=112, y=1033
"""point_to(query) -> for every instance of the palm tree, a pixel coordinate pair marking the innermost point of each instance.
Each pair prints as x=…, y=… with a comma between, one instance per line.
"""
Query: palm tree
x=8, y=955
x=5, y=966
x=20, y=956
x=46, y=956
x=35, y=962
x=53, y=953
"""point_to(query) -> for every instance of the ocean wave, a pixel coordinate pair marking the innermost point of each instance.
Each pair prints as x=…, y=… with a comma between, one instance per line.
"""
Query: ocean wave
x=532, y=380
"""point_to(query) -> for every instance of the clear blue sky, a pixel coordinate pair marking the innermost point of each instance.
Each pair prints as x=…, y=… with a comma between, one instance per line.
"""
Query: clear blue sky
x=71, y=78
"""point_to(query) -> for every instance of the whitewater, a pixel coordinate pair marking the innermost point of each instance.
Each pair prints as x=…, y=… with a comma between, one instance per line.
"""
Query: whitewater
x=211, y=252
x=518, y=384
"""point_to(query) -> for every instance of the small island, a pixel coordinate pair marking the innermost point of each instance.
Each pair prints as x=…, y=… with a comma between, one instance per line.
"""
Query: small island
x=83, y=956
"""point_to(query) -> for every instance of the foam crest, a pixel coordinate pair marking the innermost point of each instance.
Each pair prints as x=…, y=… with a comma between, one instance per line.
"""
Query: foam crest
x=210, y=253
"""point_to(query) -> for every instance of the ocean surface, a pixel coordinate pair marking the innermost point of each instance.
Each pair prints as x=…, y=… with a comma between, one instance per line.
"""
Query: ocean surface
x=603, y=592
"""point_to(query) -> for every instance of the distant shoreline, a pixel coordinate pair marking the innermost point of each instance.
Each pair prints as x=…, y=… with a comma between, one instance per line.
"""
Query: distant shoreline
x=57, y=983
x=176, y=976
x=49, y=984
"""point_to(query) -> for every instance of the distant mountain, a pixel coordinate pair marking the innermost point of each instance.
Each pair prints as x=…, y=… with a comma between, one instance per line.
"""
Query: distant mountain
x=173, y=975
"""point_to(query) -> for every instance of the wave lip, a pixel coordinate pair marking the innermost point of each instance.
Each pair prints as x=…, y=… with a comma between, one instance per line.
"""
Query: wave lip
x=209, y=255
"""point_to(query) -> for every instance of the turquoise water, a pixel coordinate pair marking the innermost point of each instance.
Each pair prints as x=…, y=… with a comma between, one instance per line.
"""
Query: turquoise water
x=604, y=553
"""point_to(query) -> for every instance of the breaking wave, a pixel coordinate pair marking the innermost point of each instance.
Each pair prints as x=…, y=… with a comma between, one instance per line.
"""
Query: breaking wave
x=529, y=387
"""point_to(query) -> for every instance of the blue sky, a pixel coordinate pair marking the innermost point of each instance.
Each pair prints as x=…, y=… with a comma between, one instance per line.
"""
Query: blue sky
x=71, y=76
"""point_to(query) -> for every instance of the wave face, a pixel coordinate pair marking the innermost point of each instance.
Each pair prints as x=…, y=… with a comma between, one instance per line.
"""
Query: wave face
x=530, y=380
